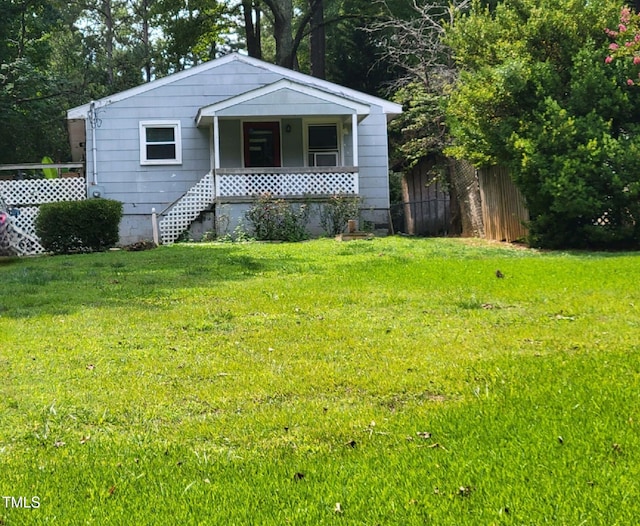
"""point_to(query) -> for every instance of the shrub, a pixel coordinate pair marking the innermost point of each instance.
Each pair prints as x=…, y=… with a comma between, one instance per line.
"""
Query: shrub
x=277, y=219
x=79, y=226
x=337, y=211
x=536, y=94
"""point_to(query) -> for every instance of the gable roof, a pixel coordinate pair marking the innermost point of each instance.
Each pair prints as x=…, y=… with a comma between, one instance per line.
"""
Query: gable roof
x=297, y=78
x=303, y=94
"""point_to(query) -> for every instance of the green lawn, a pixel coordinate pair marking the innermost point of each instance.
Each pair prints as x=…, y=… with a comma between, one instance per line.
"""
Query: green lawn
x=393, y=381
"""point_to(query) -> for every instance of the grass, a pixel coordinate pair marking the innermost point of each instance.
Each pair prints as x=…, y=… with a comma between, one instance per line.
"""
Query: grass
x=393, y=381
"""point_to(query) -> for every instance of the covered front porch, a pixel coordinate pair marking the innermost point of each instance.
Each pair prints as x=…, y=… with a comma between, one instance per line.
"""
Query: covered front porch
x=285, y=139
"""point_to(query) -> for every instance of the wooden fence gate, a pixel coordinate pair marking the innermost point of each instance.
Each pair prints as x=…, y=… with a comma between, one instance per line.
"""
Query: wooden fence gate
x=426, y=203
x=477, y=202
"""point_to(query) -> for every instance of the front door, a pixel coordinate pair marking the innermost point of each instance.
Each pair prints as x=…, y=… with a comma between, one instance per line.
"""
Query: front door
x=261, y=144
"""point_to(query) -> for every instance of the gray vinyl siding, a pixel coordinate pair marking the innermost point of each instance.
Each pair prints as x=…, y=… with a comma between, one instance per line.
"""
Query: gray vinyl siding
x=230, y=143
x=373, y=160
x=292, y=142
x=144, y=187
x=287, y=102
x=119, y=170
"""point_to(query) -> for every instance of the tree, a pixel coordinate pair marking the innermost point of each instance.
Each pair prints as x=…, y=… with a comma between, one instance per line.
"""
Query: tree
x=191, y=33
x=251, y=13
x=413, y=44
x=318, y=39
x=30, y=94
x=535, y=94
x=353, y=55
x=290, y=23
x=282, y=11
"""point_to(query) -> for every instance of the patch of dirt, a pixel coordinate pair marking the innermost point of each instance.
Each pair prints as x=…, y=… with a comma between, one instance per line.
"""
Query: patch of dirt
x=139, y=246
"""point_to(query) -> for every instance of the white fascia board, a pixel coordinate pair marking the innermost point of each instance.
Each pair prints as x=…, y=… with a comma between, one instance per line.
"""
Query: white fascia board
x=80, y=112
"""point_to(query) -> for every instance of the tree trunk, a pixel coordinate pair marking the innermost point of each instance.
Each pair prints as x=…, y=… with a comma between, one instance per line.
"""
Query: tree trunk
x=145, y=40
x=109, y=37
x=283, y=31
x=23, y=31
x=318, y=39
x=251, y=28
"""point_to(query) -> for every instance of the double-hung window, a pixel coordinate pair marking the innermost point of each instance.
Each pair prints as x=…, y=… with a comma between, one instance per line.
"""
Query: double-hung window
x=160, y=142
x=323, y=145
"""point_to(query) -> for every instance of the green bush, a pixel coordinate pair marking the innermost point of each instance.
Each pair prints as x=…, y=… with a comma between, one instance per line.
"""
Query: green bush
x=79, y=226
x=536, y=94
x=337, y=211
x=277, y=219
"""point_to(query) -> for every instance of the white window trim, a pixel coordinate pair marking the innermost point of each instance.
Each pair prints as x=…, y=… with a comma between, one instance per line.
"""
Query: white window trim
x=175, y=124
x=322, y=122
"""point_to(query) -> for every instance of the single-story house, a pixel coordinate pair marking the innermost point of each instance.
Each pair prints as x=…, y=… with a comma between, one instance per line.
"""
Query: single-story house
x=204, y=142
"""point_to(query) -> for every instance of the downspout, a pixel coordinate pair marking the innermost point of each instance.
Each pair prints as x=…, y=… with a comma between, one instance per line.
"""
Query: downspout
x=93, y=121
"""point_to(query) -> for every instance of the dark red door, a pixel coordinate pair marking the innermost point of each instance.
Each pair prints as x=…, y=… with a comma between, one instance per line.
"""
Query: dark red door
x=261, y=144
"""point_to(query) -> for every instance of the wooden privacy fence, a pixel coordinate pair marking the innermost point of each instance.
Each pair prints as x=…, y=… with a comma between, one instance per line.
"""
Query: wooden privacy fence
x=476, y=202
x=504, y=213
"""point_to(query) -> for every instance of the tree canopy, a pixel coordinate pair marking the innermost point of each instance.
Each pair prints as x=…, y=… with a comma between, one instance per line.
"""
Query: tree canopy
x=55, y=55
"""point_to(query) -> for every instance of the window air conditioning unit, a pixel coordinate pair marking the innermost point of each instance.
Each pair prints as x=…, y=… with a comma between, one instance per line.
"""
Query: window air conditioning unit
x=323, y=159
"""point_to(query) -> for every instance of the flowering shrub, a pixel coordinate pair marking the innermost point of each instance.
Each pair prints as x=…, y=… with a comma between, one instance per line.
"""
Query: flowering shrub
x=626, y=43
x=277, y=219
x=5, y=244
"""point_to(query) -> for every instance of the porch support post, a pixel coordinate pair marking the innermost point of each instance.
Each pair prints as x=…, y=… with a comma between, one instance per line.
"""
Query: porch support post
x=212, y=161
x=354, y=137
x=214, y=149
x=216, y=143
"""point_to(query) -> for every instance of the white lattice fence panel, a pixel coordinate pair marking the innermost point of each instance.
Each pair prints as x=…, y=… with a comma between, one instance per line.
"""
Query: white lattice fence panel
x=187, y=209
x=23, y=195
x=287, y=184
x=38, y=191
x=23, y=232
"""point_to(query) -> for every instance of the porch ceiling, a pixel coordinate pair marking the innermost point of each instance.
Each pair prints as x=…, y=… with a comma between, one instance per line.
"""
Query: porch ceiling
x=282, y=98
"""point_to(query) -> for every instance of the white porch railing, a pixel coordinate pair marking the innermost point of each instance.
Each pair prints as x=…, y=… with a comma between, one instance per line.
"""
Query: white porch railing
x=244, y=184
x=247, y=183
x=39, y=191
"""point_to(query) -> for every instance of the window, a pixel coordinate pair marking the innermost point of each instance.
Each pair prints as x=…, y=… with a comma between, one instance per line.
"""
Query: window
x=160, y=142
x=323, y=145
